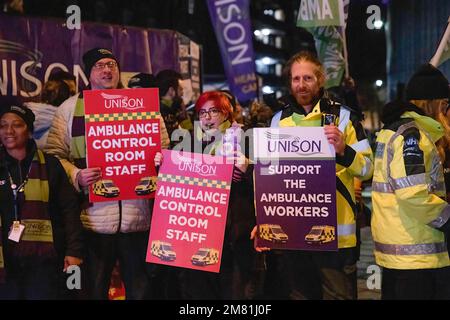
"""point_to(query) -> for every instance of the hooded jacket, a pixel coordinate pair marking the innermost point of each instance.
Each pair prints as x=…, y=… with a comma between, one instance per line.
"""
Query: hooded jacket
x=408, y=194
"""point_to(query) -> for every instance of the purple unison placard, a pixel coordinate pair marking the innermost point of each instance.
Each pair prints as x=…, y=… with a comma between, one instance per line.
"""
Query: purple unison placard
x=295, y=189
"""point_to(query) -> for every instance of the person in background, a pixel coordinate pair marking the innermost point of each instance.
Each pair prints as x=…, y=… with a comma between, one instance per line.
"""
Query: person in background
x=410, y=215
x=238, y=114
x=146, y=80
x=346, y=94
x=428, y=89
x=142, y=80
x=260, y=115
x=59, y=87
x=68, y=79
x=41, y=231
x=172, y=107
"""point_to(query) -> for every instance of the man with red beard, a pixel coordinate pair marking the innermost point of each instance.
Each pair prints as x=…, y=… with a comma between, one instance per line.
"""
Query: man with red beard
x=326, y=275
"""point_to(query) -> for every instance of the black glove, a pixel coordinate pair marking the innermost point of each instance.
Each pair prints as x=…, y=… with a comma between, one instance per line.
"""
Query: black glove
x=446, y=230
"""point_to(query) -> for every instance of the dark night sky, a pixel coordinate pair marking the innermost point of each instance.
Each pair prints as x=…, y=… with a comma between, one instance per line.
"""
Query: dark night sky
x=366, y=48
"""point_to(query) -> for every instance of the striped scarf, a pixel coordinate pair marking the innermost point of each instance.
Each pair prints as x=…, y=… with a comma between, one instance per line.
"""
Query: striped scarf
x=78, y=145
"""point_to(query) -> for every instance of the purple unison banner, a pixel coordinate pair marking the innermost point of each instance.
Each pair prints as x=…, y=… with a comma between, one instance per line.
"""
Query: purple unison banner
x=295, y=189
x=231, y=21
x=31, y=48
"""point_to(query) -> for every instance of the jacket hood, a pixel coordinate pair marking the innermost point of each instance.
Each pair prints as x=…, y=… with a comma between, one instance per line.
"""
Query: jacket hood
x=431, y=126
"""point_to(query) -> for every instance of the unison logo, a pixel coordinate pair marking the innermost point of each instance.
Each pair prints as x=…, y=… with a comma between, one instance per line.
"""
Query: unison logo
x=289, y=143
x=192, y=165
x=116, y=101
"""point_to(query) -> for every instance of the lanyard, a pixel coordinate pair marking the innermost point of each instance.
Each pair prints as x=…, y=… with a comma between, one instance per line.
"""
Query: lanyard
x=16, y=189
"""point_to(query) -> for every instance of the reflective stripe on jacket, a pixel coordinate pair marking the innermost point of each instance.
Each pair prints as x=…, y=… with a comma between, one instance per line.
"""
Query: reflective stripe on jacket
x=408, y=196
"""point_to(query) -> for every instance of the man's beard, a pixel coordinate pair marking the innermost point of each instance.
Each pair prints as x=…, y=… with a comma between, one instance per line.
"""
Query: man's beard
x=311, y=99
x=305, y=100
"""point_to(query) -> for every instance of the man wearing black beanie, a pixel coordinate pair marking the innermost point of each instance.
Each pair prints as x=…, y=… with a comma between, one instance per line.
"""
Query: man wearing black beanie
x=114, y=229
x=102, y=68
x=410, y=216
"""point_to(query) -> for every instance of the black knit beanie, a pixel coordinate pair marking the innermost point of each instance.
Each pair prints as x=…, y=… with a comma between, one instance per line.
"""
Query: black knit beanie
x=93, y=55
x=427, y=83
x=142, y=80
x=26, y=114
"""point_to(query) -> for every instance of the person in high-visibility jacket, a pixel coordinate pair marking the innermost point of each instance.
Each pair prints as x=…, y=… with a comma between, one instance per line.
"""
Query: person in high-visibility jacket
x=428, y=90
x=334, y=272
x=409, y=208
x=411, y=247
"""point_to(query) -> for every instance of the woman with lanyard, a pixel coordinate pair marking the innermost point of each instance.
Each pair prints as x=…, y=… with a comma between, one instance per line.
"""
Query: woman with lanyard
x=40, y=234
x=236, y=276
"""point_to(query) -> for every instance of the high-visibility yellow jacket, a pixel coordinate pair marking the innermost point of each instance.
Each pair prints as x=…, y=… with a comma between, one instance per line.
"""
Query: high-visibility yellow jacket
x=408, y=195
x=356, y=161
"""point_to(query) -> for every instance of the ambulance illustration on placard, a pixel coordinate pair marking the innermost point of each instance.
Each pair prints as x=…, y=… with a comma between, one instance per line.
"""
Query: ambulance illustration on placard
x=205, y=256
x=163, y=250
x=106, y=188
x=145, y=186
x=272, y=232
x=321, y=234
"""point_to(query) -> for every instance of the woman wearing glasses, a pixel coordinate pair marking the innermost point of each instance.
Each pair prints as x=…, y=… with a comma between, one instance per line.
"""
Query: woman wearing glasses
x=234, y=281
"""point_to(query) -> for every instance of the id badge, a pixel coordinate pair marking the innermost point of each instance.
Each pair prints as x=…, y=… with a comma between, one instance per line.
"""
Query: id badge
x=16, y=231
x=328, y=119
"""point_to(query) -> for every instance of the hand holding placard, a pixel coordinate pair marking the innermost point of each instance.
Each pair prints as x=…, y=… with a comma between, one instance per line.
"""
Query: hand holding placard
x=89, y=176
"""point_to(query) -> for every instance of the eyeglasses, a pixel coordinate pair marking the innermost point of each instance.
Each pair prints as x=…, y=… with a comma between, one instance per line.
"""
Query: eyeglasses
x=306, y=78
x=100, y=65
x=213, y=112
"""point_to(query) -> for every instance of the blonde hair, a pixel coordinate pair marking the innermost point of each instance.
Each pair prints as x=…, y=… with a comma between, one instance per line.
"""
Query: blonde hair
x=436, y=110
